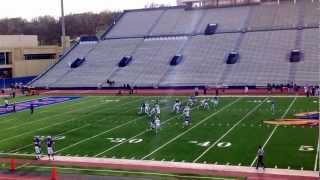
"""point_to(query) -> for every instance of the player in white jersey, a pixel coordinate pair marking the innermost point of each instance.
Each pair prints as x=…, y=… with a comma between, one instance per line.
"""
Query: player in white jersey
x=204, y=104
x=157, y=108
x=186, y=116
x=215, y=102
x=146, y=107
x=176, y=106
x=142, y=107
x=157, y=124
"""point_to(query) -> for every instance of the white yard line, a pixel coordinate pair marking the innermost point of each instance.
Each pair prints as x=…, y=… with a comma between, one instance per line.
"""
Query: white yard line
x=224, y=135
x=63, y=122
x=275, y=128
x=67, y=132
x=317, y=160
x=89, y=138
x=185, y=132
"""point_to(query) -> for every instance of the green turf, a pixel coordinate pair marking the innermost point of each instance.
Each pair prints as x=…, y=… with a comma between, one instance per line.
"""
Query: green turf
x=88, y=124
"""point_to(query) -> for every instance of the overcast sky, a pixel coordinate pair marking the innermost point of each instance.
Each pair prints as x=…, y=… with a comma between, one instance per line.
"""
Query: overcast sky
x=32, y=8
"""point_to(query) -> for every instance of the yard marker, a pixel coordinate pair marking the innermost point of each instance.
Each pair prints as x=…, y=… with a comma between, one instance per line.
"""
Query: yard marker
x=54, y=174
x=239, y=164
x=224, y=135
x=102, y=133
x=12, y=165
x=301, y=168
x=276, y=167
x=188, y=130
x=275, y=128
x=289, y=167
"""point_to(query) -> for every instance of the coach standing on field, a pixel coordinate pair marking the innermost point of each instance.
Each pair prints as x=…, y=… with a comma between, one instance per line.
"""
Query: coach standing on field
x=260, y=155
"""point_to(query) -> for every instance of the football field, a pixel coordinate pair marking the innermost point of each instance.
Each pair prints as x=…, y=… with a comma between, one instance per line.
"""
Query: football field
x=110, y=127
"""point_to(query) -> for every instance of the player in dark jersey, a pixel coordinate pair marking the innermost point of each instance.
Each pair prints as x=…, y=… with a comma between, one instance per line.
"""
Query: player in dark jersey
x=50, y=145
x=37, y=147
x=31, y=108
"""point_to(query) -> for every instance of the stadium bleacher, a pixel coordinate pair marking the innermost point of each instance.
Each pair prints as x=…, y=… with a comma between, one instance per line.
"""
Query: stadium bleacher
x=262, y=34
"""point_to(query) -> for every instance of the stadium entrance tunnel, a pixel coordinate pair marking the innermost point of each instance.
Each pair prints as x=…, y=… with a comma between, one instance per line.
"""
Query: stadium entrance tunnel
x=89, y=39
x=295, y=55
x=125, y=61
x=76, y=63
x=233, y=57
x=176, y=60
x=211, y=29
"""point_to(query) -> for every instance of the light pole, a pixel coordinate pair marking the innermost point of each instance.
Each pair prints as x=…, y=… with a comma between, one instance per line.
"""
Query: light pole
x=63, y=28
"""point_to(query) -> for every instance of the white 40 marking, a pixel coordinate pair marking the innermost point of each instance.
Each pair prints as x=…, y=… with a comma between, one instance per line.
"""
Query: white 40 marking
x=122, y=140
x=306, y=148
x=208, y=143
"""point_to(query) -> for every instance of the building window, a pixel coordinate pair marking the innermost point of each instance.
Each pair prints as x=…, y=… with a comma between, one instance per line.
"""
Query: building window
x=4, y=58
x=39, y=56
x=5, y=73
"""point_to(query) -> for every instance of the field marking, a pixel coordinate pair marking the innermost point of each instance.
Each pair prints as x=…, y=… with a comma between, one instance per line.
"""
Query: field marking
x=188, y=130
x=109, y=130
x=317, y=162
x=133, y=172
x=275, y=128
x=145, y=131
x=64, y=133
x=224, y=135
x=139, y=134
x=62, y=122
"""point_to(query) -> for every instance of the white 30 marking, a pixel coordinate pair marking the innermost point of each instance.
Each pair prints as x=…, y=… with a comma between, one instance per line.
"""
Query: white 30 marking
x=224, y=144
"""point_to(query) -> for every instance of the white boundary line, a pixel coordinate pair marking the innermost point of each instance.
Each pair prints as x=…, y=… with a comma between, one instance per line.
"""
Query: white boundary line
x=63, y=122
x=133, y=172
x=185, y=132
x=224, y=135
x=275, y=128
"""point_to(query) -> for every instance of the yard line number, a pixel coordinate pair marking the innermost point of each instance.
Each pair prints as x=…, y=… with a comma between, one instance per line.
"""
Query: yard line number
x=121, y=140
x=208, y=143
